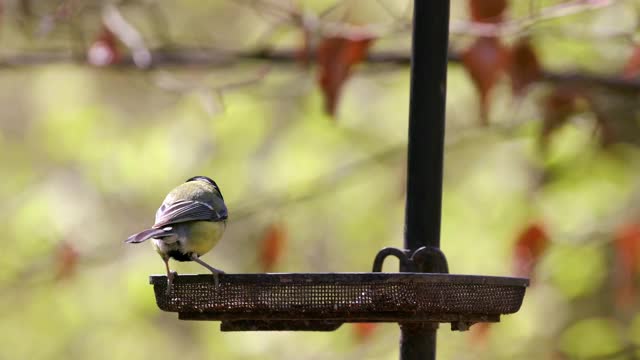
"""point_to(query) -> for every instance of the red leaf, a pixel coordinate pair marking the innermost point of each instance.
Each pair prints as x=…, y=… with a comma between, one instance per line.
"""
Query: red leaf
x=627, y=247
x=272, y=245
x=66, y=260
x=479, y=334
x=530, y=245
x=336, y=58
x=364, y=331
x=485, y=61
x=490, y=11
x=524, y=67
x=632, y=68
x=104, y=51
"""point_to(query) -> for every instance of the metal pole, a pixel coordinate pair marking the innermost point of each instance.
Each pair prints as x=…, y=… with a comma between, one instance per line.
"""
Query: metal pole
x=425, y=150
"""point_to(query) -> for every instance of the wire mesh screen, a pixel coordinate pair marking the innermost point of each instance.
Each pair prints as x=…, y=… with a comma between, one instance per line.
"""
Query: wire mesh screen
x=341, y=296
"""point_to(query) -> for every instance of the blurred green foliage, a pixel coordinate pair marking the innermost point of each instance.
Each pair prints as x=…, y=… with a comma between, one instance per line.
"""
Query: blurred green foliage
x=87, y=155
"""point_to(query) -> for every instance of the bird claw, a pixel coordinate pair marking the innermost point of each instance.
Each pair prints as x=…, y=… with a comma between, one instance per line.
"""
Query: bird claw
x=216, y=277
x=213, y=270
x=170, y=277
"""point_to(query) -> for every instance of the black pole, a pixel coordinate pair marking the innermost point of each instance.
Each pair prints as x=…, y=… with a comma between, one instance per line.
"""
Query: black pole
x=425, y=151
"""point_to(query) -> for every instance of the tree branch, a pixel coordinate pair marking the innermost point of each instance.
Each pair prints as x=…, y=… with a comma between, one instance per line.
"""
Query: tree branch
x=513, y=27
x=181, y=57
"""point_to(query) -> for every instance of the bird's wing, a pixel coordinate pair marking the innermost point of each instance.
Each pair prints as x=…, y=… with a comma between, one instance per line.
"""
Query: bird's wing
x=187, y=210
x=148, y=234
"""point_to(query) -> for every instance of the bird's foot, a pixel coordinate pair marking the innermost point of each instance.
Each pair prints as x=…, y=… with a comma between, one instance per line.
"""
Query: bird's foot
x=170, y=278
x=216, y=278
x=213, y=270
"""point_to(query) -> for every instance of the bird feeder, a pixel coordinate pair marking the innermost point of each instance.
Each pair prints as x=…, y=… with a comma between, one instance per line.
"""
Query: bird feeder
x=419, y=297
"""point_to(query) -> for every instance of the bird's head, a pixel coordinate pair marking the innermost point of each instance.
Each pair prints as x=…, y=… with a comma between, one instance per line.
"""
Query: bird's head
x=208, y=180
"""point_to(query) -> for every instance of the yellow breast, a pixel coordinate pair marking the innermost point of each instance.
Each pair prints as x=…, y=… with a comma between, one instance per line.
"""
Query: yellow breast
x=203, y=236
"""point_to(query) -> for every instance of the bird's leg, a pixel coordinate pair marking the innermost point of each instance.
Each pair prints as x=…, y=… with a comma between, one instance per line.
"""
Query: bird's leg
x=171, y=275
x=215, y=271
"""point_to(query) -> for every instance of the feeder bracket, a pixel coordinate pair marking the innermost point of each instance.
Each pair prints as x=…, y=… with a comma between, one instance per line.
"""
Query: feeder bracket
x=427, y=259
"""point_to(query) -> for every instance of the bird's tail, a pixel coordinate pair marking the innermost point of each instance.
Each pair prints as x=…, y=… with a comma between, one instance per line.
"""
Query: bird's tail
x=148, y=234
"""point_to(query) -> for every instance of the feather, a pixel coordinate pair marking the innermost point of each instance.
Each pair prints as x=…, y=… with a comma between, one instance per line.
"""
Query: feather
x=148, y=234
x=187, y=210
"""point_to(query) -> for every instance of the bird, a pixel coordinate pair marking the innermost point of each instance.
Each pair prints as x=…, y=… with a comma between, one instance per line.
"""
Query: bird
x=188, y=224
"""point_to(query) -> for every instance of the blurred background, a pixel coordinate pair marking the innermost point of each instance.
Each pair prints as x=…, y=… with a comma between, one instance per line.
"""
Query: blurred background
x=298, y=109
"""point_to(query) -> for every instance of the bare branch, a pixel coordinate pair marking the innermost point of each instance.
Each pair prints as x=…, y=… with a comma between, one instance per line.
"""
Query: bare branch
x=129, y=35
x=611, y=82
x=179, y=57
x=513, y=27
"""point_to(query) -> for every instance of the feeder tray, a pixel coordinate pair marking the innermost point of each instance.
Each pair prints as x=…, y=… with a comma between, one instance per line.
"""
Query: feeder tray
x=324, y=301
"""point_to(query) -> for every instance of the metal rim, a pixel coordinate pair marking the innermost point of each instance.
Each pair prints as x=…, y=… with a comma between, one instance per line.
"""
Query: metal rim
x=349, y=277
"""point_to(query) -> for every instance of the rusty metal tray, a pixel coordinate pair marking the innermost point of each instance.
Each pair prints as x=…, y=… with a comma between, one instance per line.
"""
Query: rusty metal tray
x=323, y=301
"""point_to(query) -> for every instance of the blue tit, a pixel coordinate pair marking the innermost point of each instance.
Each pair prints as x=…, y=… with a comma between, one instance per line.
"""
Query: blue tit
x=189, y=223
